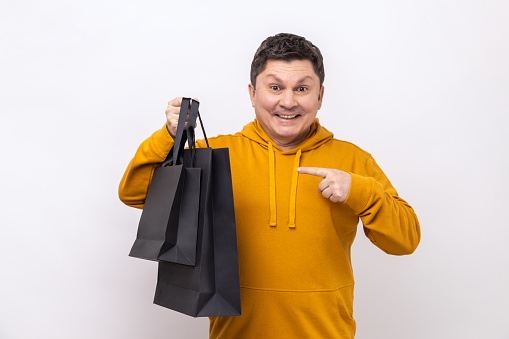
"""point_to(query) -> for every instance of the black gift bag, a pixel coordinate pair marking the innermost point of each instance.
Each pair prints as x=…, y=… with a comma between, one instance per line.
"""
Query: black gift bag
x=168, y=225
x=211, y=287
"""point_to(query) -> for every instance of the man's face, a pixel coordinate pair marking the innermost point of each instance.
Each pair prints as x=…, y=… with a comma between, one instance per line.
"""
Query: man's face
x=286, y=100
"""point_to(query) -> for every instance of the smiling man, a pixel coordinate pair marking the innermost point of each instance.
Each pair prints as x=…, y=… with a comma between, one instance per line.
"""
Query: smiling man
x=294, y=242
x=286, y=96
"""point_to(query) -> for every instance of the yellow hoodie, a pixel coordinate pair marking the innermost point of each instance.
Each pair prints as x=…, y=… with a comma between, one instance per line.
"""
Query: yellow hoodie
x=294, y=245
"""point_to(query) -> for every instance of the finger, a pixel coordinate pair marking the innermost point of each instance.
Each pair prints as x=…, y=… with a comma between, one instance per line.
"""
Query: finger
x=316, y=171
x=172, y=110
x=176, y=102
x=195, y=99
x=175, y=112
x=327, y=193
x=173, y=122
x=323, y=185
x=336, y=198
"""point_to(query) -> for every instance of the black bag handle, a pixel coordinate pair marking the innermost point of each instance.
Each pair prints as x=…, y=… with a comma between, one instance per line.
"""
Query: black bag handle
x=176, y=153
x=194, y=112
x=203, y=130
x=180, y=138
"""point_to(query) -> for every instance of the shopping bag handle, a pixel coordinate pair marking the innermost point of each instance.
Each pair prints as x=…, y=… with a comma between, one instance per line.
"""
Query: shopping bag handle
x=176, y=153
x=193, y=112
x=190, y=128
x=181, y=135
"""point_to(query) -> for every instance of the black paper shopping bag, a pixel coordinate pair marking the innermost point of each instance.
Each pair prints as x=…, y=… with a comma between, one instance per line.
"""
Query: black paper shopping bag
x=212, y=286
x=168, y=225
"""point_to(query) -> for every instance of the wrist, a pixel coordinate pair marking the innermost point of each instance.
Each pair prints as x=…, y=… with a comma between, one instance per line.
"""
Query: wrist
x=169, y=132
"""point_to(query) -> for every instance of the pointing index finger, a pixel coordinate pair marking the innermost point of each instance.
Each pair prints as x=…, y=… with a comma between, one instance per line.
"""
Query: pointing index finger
x=316, y=171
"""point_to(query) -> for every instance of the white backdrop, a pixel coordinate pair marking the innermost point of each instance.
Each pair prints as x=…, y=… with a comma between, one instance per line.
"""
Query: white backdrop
x=423, y=86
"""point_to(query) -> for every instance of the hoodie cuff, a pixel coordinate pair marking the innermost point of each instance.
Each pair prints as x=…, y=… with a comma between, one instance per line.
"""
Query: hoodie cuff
x=360, y=191
x=163, y=141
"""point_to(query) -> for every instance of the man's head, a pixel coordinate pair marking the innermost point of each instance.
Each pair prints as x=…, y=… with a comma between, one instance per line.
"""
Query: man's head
x=286, y=88
x=287, y=47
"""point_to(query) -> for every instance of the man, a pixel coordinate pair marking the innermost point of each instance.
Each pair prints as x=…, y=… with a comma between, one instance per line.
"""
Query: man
x=294, y=243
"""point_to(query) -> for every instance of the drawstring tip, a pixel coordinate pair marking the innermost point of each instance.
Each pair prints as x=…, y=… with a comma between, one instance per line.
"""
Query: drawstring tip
x=272, y=224
x=291, y=225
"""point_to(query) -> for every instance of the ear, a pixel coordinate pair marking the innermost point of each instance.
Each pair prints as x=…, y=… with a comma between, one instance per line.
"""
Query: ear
x=320, y=97
x=252, y=91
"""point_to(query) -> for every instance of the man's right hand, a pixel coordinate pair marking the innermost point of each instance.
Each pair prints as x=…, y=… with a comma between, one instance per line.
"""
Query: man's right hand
x=172, y=116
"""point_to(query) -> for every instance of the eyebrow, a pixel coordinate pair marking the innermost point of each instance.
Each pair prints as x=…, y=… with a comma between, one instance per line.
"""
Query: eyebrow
x=300, y=80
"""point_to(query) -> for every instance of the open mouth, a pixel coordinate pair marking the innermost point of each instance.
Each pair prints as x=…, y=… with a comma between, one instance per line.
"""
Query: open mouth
x=288, y=117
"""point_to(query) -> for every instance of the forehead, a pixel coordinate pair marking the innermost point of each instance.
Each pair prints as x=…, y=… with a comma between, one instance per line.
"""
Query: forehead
x=283, y=70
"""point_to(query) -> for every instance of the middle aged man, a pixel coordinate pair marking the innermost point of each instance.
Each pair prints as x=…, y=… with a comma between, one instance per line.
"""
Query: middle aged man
x=294, y=243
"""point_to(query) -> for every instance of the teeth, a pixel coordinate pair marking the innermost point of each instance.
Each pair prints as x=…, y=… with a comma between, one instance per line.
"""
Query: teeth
x=287, y=116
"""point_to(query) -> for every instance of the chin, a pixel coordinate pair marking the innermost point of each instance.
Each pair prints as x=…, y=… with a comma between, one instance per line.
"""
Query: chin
x=290, y=130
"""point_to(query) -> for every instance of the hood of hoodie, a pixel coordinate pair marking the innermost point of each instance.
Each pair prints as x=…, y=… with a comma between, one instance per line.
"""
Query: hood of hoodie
x=317, y=136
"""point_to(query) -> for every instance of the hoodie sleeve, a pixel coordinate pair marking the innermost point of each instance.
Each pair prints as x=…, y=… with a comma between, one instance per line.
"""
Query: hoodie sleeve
x=389, y=221
x=133, y=187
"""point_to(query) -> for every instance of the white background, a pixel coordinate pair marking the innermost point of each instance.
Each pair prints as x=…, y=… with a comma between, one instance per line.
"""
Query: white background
x=422, y=85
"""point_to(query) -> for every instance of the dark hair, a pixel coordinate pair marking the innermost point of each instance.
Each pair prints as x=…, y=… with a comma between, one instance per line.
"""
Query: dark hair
x=288, y=47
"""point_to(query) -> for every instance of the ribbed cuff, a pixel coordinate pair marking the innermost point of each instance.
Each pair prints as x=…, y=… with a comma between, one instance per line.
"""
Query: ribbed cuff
x=361, y=189
x=163, y=141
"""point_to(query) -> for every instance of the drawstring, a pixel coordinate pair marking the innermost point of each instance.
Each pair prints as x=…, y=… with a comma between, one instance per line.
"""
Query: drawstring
x=272, y=186
x=293, y=188
x=293, y=191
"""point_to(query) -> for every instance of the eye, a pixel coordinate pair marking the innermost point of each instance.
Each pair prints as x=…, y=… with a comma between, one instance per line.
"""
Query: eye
x=274, y=87
x=301, y=89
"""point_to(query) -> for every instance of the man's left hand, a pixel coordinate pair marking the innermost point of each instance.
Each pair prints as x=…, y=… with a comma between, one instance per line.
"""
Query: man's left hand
x=335, y=185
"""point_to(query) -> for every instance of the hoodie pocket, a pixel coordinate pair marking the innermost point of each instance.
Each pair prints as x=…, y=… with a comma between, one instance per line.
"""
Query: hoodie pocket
x=344, y=300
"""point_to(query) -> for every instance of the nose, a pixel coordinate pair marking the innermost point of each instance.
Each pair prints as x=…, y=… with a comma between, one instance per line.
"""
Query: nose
x=287, y=100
